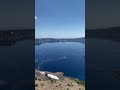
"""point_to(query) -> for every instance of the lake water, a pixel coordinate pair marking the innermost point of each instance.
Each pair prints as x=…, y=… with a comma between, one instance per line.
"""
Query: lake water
x=67, y=57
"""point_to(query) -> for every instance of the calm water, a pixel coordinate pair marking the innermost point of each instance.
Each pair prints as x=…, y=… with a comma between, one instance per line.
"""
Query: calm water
x=65, y=57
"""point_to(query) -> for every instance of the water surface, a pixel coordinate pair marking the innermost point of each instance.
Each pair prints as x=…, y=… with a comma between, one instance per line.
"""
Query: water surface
x=67, y=57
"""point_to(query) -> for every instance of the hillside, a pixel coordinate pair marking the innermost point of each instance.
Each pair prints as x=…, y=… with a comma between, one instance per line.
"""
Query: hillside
x=42, y=82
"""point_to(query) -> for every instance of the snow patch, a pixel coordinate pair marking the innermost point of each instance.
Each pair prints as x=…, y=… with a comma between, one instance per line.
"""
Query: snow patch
x=42, y=72
x=53, y=76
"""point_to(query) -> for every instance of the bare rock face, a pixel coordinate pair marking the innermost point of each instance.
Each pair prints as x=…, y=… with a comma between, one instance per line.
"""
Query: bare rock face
x=44, y=75
x=59, y=75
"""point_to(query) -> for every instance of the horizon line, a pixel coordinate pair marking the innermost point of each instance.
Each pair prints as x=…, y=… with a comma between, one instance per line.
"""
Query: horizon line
x=59, y=38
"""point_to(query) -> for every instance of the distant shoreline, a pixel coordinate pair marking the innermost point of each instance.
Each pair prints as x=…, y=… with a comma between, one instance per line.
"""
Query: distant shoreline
x=51, y=40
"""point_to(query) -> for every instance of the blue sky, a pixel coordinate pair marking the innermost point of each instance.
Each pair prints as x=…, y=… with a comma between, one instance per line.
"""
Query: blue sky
x=59, y=18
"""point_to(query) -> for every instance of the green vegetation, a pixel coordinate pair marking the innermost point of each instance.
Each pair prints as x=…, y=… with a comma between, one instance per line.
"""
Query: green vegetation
x=42, y=84
x=68, y=84
x=80, y=82
x=52, y=81
x=60, y=84
x=71, y=84
x=39, y=79
x=36, y=85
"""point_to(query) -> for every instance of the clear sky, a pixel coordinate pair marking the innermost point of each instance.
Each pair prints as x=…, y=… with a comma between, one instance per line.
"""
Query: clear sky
x=59, y=18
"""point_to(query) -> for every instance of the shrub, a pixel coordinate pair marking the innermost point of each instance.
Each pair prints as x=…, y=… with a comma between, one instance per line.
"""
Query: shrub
x=68, y=84
x=36, y=85
x=42, y=84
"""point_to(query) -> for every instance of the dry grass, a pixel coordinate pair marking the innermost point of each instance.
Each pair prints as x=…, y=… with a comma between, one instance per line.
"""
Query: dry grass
x=66, y=84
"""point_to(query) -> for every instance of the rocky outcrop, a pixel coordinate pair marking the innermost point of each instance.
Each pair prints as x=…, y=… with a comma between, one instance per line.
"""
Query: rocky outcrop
x=43, y=82
x=44, y=75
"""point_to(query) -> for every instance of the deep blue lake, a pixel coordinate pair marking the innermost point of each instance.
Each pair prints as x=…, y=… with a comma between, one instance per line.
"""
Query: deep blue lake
x=67, y=57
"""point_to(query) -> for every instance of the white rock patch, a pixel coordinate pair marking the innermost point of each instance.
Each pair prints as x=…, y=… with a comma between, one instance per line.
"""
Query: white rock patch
x=53, y=76
x=42, y=72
